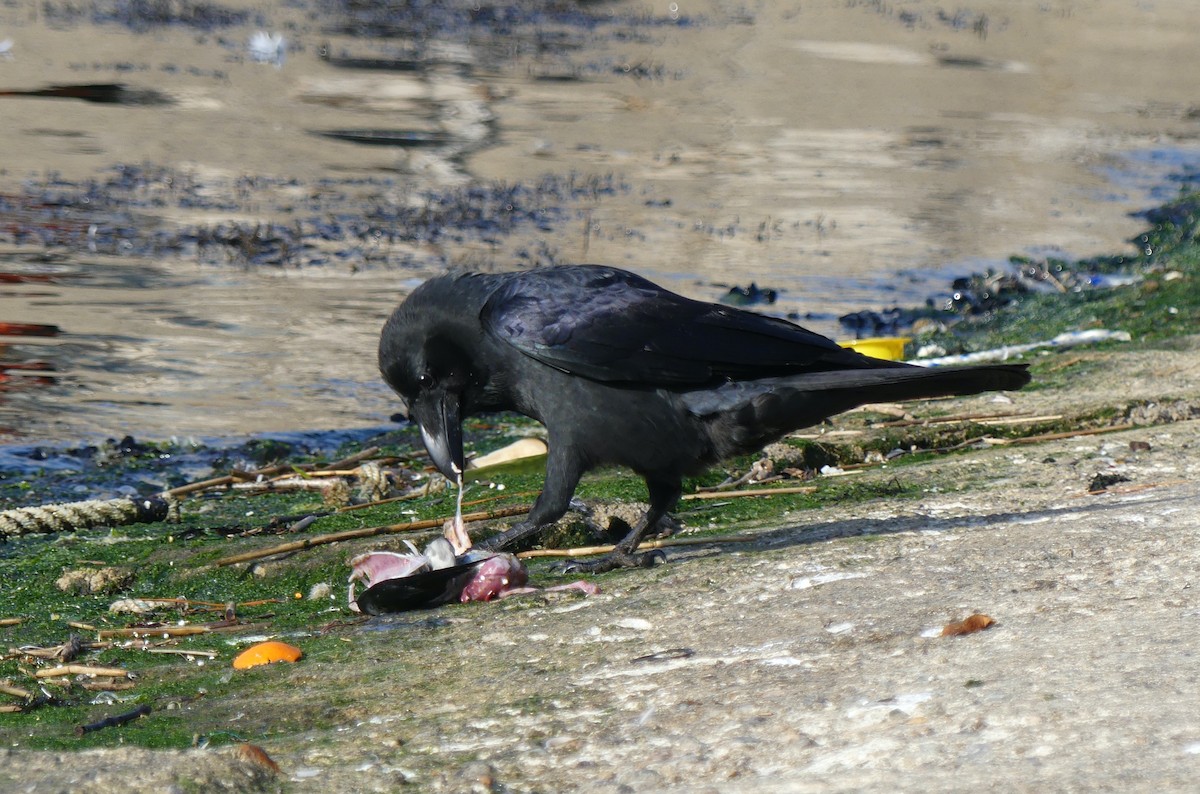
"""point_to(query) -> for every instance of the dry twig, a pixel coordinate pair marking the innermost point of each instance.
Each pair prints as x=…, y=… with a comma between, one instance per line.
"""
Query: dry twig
x=584, y=551
x=15, y=691
x=81, y=669
x=943, y=420
x=209, y=606
x=1059, y=436
x=147, y=632
x=183, y=652
x=791, y=489
x=153, y=631
x=271, y=471
x=367, y=532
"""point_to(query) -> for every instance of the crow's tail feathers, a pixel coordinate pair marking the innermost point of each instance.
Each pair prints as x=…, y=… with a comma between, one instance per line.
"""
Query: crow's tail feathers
x=743, y=416
x=852, y=388
x=916, y=383
x=833, y=391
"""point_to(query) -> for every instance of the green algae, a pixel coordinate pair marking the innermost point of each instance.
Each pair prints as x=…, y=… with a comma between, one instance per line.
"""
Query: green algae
x=1162, y=302
x=203, y=701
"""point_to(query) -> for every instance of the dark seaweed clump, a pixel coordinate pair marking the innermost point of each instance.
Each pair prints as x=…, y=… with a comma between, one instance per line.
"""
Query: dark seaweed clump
x=543, y=24
x=143, y=15
x=36, y=474
x=117, y=215
x=1163, y=261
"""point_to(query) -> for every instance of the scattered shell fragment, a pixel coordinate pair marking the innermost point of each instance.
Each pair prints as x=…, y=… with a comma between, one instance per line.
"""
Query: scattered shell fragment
x=266, y=653
x=135, y=606
x=976, y=622
x=94, y=582
x=257, y=756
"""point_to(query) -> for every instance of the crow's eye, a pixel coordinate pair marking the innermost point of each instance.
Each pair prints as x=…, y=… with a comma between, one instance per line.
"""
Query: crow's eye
x=424, y=380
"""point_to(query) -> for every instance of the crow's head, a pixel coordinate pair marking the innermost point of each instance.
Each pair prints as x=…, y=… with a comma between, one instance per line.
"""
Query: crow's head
x=425, y=355
x=432, y=378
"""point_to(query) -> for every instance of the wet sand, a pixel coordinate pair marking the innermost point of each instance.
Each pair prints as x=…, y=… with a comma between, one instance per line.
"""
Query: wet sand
x=854, y=155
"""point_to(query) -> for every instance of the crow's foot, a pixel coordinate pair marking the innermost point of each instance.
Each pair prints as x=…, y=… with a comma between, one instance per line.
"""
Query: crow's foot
x=611, y=562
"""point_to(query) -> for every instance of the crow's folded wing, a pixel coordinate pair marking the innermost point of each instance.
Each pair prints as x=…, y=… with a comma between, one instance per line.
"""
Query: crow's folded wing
x=611, y=325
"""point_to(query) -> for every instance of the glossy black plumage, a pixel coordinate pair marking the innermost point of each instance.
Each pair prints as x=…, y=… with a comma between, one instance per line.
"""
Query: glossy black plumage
x=622, y=371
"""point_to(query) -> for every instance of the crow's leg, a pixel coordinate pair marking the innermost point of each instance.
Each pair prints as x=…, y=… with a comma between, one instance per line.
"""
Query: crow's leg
x=562, y=475
x=663, y=496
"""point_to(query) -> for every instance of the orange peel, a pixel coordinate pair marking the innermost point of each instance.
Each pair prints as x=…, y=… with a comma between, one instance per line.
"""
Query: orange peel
x=266, y=653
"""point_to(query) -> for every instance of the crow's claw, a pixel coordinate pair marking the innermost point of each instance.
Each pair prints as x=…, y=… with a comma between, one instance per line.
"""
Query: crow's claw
x=611, y=562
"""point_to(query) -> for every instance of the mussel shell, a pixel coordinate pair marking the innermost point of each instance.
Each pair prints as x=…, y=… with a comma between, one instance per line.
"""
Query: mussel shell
x=419, y=591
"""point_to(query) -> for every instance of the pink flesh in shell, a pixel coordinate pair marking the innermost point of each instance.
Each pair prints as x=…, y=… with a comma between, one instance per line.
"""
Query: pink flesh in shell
x=493, y=577
x=504, y=575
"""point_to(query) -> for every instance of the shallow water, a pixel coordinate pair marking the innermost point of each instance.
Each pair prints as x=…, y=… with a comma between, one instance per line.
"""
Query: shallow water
x=850, y=154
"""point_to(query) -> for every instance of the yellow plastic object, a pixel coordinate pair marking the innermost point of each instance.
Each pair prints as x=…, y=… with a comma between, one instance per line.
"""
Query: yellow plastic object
x=886, y=347
x=266, y=653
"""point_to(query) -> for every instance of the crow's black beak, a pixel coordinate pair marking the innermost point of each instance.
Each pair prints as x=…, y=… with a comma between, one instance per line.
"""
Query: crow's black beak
x=439, y=418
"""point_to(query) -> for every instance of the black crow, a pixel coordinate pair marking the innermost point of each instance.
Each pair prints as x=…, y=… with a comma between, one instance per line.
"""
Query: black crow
x=622, y=371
